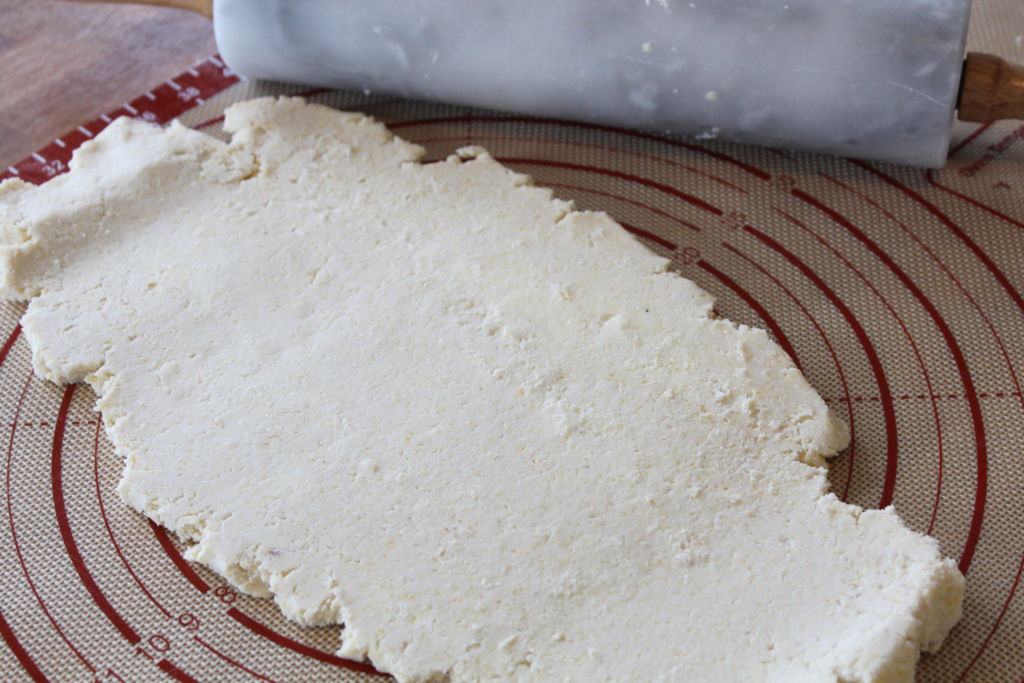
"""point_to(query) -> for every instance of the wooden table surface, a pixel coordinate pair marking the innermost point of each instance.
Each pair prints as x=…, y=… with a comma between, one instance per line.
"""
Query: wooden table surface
x=64, y=63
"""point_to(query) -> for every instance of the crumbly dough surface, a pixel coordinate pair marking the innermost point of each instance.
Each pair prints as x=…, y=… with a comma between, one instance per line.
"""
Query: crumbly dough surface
x=490, y=434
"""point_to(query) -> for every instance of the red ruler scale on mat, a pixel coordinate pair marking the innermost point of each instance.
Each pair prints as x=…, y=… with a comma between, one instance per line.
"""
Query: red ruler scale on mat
x=897, y=291
x=170, y=99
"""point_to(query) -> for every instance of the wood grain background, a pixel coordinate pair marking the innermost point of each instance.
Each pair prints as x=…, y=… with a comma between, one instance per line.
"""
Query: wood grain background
x=65, y=63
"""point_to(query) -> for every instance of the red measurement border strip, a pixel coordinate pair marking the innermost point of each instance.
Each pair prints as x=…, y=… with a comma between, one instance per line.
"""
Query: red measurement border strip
x=261, y=630
x=56, y=478
x=160, y=105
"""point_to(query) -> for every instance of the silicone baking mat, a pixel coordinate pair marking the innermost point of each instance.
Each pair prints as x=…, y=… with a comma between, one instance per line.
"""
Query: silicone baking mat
x=897, y=291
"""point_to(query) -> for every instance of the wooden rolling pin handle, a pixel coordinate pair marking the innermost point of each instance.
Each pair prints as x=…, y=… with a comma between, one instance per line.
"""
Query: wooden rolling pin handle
x=991, y=89
x=204, y=7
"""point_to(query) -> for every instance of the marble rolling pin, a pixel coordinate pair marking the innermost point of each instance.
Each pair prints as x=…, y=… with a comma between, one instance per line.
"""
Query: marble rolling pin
x=872, y=79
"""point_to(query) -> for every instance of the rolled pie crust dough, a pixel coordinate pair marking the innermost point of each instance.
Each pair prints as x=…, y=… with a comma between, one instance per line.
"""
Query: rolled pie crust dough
x=492, y=435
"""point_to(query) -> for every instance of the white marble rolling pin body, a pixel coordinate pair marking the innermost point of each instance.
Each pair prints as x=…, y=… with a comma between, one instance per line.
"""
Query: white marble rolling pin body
x=874, y=79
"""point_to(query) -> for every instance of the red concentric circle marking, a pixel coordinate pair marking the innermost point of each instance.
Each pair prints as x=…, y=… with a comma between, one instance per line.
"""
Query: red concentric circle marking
x=9, y=344
x=955, y=229
x=174, y=672
x=576, y=145
x=180, y=562
x=106, y=522
x=958, y=358
x=760, y=310
x=966, y=141
x=663, y=214
x=852, y=448
x=56, y=478
x=261, y=630
x=1012, y=292
x=688, y=198
x=930, y=175
x=558, y=123
x=888, y=409
x=889, y=491
x=14, y=532
x=231, y=661
x=30, y=667
x=639, y=232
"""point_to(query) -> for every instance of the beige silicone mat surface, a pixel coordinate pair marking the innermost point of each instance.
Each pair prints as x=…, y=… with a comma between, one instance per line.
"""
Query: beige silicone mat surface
x=898, y=292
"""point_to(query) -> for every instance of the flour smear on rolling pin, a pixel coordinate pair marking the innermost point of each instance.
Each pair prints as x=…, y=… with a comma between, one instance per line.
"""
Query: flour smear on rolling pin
x=871, y=79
